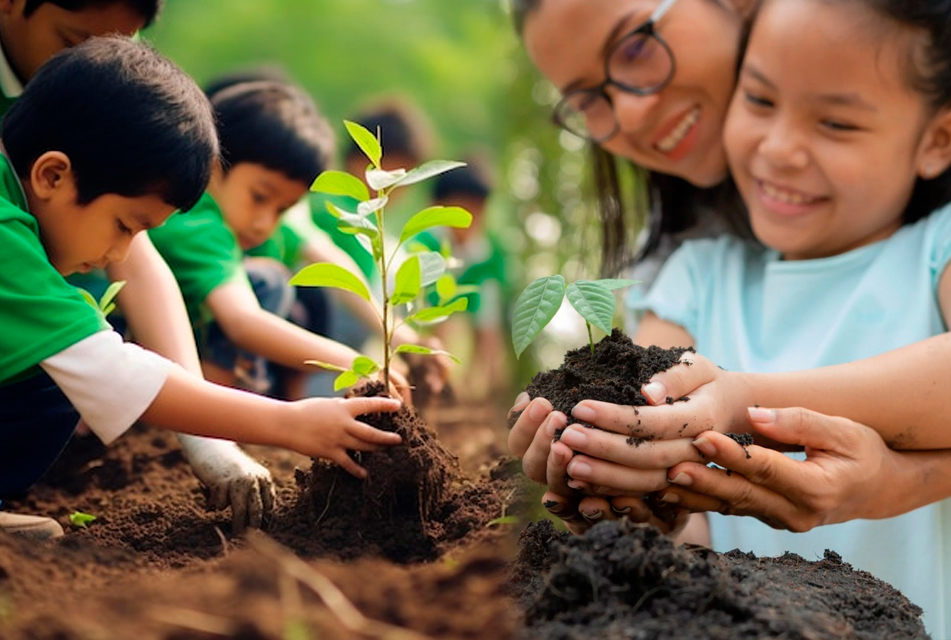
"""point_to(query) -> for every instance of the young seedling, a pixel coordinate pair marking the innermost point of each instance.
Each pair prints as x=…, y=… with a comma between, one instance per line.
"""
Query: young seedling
x=540, y=301
x=413, y=275
x=80, y=520
x=106, y=303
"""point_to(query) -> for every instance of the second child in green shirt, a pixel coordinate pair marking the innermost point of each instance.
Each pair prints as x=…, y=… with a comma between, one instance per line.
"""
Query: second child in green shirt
x=274, y=143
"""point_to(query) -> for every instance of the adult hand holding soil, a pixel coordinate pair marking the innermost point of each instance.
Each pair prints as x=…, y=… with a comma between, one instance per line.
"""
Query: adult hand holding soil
x=849, y=473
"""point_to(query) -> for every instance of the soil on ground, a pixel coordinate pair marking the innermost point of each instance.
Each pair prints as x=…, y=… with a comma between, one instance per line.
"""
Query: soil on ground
x=622, y=580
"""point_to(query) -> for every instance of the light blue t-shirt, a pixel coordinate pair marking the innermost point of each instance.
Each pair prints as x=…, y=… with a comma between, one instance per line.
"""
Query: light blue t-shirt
x=748, y=310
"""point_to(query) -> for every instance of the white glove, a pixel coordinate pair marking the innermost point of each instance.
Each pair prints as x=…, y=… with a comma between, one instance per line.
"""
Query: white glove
x=232, y=478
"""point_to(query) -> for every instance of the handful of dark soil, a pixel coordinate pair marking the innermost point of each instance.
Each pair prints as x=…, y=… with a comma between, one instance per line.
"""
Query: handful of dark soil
x=615, y=373
x=623, y=580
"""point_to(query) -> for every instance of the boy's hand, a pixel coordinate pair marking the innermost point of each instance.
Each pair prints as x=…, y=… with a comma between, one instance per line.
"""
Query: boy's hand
x=232, y=479
x=328, y=428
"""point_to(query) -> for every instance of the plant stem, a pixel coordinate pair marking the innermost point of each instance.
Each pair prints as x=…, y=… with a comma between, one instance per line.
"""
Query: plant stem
x=387, y=331
x=590, y=337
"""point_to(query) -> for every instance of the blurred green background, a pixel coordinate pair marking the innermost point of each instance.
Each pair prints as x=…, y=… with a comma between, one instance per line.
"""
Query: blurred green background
x=462, y=63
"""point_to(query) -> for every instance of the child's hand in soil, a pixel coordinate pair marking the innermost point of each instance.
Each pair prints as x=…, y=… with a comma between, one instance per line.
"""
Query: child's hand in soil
x=328, y=428
x=849, y=473
x=232, y=479
x=531, y=436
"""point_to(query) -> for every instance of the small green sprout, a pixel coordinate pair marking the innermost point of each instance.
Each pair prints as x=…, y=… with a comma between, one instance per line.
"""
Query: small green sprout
x=106, y=303
x=414, y=274
x=540, y=301
x=79, y=519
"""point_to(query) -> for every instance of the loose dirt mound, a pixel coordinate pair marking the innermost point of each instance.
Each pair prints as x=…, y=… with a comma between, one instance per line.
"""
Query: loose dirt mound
x=622, y=580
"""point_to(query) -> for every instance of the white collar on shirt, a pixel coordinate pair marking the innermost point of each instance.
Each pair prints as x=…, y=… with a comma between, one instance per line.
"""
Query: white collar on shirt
x=10, y=85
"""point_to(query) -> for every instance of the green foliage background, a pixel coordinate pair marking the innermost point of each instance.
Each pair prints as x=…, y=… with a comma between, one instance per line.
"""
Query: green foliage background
x=459, y=60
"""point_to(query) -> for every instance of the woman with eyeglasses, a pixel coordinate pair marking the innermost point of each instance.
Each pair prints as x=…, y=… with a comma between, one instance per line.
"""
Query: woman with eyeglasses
x=648, y=83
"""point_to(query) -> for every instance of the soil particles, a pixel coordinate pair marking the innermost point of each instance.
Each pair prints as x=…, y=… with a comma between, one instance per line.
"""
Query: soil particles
x=628, y=581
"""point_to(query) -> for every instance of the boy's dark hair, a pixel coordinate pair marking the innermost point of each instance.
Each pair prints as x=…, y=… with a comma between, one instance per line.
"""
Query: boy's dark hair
x=269, y=72
x=148, y=9
x=131, y=122
x=464, y=181
x=273, y=124
x=403, y=130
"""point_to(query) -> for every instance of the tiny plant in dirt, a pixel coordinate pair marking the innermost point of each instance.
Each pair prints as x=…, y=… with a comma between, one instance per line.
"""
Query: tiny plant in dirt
x=539, y=302
x=107, y=303
x=413, y=274
x=81, y=520
x=415, y=501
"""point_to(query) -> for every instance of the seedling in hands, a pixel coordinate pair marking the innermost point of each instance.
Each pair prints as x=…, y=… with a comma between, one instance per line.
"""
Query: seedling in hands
x=540, y=301
x=413, y=275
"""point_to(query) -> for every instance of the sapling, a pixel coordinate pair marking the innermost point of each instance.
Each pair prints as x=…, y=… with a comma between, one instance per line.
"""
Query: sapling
x=540, y=301
x=414, y=274
x=106, y=303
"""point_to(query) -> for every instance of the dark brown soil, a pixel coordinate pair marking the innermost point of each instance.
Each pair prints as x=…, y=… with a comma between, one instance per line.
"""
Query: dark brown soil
x=416, y=504
x=156, y=565
x=622, y=580
x=616, y=373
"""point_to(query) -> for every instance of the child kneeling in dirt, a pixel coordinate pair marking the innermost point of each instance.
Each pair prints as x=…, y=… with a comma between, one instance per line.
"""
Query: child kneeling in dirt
x=274, y=143
x=107, y=140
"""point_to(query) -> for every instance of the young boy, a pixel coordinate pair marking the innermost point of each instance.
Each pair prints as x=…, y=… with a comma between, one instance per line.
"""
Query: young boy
x=30, y=32
x=107, y=140
x=274, y=143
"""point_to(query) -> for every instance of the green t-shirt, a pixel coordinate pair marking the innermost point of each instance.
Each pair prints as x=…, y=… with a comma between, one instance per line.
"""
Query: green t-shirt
x=202, y=253
x=488, y=262
x=285, y=245
x=40, y=313
x=349, y=243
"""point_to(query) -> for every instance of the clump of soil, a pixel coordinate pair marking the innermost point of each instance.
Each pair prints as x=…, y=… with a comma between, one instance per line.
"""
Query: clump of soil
x=615, y=373
x=415, y=503
x=623, y=580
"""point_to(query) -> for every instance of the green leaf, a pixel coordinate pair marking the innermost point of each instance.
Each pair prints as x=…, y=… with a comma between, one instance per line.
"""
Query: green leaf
x=324, y=274
x=534, y=309
x=346, y=379
x=354, y=225
x=613, y=284
x=446, y=287
x=89, y=299
x=436, y=217
x=379, y=179
x=336, y=211
x=594, y=302
x=109, y=309
x=371, y=206
x=433, y=314
x=431, y=267
x=326, y=365
x=502, y=520
x=338, y=183
x=364, y=366
x=105, y=302
x=428, y=170
x=425, y=351
x=367, y=142
x=408, y=282
x=79, y=519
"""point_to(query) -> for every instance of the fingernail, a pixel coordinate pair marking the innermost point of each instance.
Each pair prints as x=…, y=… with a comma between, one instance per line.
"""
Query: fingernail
x=592, y=515
x=705, y=447
x=558, y=457
x=580, y=470
x=621, y=512
x=552, y=505
x=577, y=486
x=537, y=410
x=683, y=480
x=574, y=438
x=670, y=498
x=655, y=392
x=762, y=416
x=584, y=413
x=521, y=401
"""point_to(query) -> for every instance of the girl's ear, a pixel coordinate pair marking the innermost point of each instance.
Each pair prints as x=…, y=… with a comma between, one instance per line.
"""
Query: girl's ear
x=934, y=153
x=51, y=173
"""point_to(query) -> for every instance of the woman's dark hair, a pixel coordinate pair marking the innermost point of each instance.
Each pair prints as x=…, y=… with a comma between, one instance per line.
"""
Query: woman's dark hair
x=131, y=122
x=630, y=197
x=275, y=125
x=929, y=71
x=148, y=9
